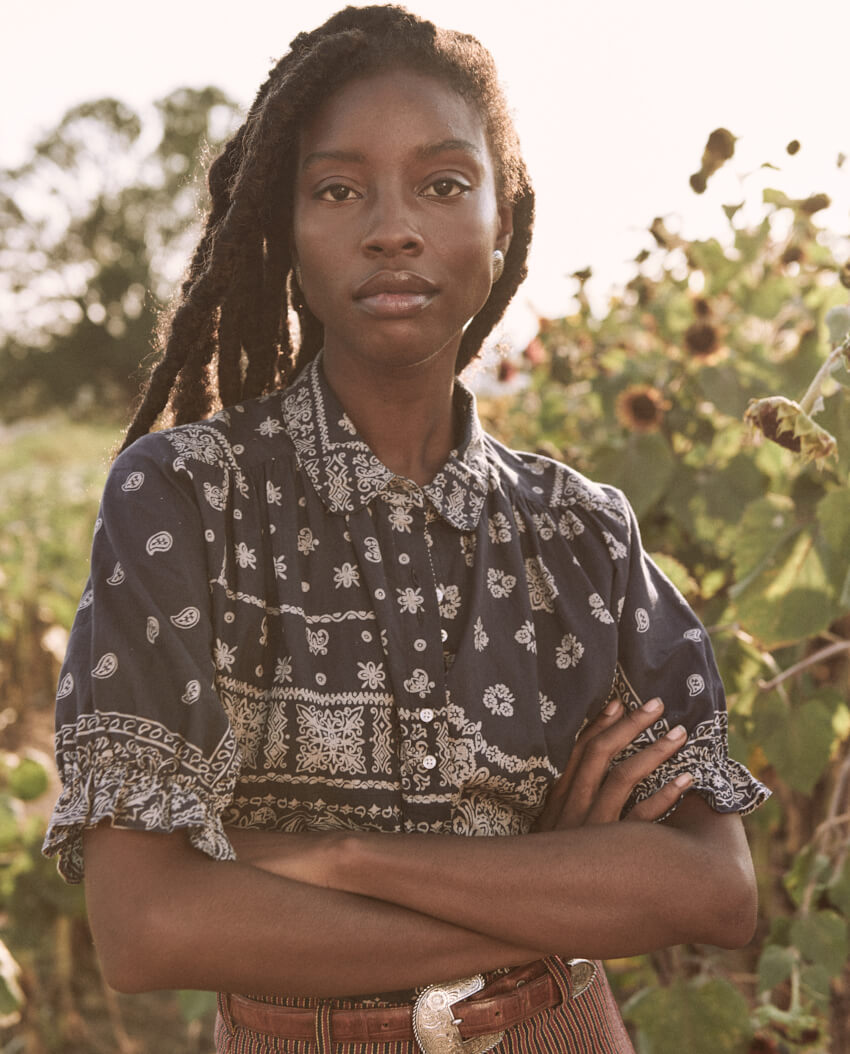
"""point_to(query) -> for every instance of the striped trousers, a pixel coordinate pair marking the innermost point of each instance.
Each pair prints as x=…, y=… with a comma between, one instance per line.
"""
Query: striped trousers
x=590, y=1024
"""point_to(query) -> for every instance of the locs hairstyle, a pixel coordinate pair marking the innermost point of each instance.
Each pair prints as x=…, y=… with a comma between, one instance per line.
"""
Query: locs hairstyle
x=229, y=336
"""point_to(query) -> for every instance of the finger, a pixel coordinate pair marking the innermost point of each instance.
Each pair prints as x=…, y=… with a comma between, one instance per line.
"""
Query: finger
x=600, y=751
x=659, y=803
x=609, y=716
x=625, y=775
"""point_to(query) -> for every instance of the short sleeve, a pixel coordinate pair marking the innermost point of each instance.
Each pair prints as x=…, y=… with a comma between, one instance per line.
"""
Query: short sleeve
x=141, y=737
x=665, y=651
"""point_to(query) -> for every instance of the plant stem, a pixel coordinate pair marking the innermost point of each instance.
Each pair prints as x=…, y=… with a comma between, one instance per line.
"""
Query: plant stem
x=813, y=391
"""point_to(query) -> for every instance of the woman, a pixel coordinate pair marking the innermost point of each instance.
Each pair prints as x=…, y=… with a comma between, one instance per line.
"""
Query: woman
x=335, y=625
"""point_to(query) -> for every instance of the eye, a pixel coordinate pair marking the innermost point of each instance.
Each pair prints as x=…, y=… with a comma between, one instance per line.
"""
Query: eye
x=446, y=187
x=336, y=192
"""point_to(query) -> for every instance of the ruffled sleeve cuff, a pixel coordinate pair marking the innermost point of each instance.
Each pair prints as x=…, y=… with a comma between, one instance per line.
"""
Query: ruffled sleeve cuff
x=163, y=793
x=726, y=785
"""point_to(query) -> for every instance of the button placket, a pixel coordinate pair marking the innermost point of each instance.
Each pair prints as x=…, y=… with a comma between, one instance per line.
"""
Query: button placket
x=424, y=685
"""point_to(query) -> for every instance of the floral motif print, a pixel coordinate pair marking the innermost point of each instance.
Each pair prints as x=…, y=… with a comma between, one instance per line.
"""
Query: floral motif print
x=410, y=600
x=525, y=635
x=499, y=699
x=224, y=655
x=598, y=609
x=569, y=652
x=450, y=604
x=371, y=674
x=245, y=557
x=346, y=576
x=481, y=640
x=499, y=583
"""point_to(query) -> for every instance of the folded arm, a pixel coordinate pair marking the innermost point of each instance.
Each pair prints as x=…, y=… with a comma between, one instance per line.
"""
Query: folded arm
x=582, y=884
x=354, y=913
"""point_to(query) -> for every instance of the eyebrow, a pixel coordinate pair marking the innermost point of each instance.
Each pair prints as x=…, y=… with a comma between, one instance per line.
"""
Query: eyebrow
x=423, y=153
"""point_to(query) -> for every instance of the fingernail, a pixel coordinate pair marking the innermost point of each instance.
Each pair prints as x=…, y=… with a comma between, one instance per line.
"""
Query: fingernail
x=653, y=706
x=613, y=707
x=679, y=732
x=684, y=779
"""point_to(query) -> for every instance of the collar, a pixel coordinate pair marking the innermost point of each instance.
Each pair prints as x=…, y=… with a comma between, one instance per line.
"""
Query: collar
x=346, y=474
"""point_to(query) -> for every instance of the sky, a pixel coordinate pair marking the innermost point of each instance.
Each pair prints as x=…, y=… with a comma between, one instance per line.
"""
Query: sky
x=613, y=100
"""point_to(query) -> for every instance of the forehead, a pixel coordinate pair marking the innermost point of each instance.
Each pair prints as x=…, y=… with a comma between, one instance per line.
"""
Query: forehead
x=393, y=109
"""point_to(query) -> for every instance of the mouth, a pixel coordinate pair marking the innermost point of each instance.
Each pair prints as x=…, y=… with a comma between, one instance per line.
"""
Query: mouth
x=395, y=294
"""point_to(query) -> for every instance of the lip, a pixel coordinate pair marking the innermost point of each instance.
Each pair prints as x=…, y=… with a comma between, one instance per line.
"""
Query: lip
x=395, y=294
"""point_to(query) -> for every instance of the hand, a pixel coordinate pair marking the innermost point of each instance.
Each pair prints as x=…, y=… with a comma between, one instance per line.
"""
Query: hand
x=590, y=791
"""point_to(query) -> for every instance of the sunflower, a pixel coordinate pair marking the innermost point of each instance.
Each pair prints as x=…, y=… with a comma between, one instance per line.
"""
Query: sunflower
x=641, y=408
x=786, y=423
x=702, y=339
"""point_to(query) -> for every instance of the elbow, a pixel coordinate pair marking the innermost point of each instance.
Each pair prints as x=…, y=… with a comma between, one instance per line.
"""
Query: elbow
x=735, y=907
x=131, y=952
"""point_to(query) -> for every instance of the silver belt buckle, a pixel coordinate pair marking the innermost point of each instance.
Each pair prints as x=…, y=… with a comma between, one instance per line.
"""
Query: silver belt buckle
x=435, y=1025
x=582, y=972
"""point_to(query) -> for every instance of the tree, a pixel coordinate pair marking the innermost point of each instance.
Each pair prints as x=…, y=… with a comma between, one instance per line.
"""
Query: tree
x=91, y=226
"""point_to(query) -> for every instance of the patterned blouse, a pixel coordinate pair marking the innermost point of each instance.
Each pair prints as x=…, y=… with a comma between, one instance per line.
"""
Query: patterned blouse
x=281, y=633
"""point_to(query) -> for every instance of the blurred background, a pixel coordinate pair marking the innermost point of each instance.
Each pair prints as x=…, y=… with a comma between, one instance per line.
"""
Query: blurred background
x=691, y=257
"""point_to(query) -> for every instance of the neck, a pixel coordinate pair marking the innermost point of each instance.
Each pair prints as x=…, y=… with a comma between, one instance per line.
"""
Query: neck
x=404, y=416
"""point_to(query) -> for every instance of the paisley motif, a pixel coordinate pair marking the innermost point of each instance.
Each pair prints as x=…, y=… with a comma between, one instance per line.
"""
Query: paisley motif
x=160, y=542
x=106, y=666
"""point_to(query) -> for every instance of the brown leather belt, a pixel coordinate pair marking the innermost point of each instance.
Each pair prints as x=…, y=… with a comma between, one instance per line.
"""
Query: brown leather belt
x=504, y=1002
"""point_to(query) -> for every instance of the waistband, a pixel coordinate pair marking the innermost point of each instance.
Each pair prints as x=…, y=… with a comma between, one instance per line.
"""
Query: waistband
x=504, y=1002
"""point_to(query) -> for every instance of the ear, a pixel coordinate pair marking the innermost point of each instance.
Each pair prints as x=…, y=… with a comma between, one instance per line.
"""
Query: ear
x=505, y=228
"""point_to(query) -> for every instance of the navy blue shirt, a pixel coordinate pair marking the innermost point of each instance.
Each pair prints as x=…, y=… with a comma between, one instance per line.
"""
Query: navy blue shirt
x=281, y=633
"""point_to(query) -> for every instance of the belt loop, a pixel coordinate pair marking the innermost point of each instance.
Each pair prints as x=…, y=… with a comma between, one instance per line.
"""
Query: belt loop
x=223, y=1000
x=324, y=1044
x=556, y=967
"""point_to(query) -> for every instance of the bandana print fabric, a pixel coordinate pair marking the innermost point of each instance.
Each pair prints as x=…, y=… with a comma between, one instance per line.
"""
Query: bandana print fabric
x=280, y=633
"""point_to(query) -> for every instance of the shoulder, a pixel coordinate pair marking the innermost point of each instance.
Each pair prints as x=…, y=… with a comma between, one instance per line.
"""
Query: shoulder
x=555, y=487
x=235, y=440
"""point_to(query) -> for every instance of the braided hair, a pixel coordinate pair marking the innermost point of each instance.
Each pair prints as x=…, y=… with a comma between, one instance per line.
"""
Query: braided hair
x=233, y=333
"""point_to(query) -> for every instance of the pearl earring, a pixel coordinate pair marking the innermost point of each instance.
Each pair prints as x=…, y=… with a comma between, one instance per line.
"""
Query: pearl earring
x=498, y=264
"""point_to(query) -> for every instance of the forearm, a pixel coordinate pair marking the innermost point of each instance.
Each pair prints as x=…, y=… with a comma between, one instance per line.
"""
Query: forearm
x=165, y=916
x=597, y=891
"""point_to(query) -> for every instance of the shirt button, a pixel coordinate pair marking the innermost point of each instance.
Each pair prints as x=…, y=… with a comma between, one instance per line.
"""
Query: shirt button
x=440, y=594
x=444, y=636
x=426, y=714
x=429, y=761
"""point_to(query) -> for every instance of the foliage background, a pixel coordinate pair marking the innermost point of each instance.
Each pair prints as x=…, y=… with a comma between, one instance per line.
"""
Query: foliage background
x=650, y=396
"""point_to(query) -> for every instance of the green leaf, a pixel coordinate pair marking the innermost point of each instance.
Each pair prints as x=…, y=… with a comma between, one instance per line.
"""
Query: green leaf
x=701, y=1018
x=677, y=573
x=194, y=1006
x=775, y=966
x=807, y=867
x=28, y=780
x=643, y=469
x=822, y=939
x=833, y=515
x=796, y=740
x=768, y=297
x=838, y=323
x=786, y=582
x=816, y=980
x=839, y=891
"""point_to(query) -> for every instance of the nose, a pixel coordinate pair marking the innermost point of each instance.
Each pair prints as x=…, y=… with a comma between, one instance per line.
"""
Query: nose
x=391, y=229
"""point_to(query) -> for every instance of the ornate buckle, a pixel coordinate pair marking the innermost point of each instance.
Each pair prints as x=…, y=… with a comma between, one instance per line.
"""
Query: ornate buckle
x=582, y=972
x=435, y=1025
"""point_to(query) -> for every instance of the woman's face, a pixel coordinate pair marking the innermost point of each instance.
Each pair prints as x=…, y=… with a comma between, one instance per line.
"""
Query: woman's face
x=396, y=219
